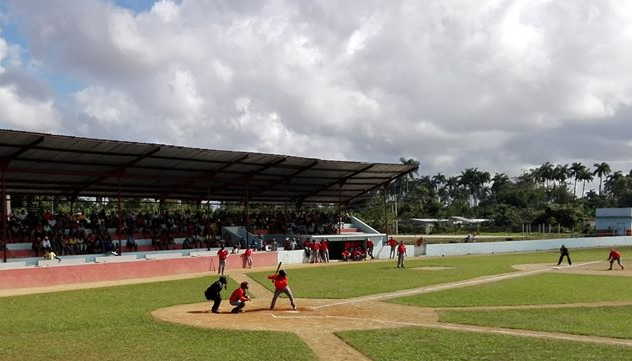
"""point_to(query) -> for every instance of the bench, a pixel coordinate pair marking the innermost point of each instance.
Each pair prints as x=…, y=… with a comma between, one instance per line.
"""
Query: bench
x=115, y=259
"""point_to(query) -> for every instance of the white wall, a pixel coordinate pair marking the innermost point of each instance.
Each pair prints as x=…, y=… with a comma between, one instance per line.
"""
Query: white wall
x=290, y=257
x=385, y=252
x=451, y=249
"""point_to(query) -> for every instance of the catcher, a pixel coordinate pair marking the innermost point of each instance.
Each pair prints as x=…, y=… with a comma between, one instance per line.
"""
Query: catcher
x=239, y=298
x=281, y=286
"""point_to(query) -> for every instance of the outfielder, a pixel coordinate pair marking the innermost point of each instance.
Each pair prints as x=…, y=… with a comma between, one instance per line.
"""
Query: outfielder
x=401, y=253
x=614, y=256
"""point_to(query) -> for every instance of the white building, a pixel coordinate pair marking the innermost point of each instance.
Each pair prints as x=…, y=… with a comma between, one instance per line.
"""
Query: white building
x=616, y=220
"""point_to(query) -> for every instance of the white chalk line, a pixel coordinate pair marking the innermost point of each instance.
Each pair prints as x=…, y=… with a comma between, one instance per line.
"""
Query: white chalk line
x=480, y=329
x=445, y=286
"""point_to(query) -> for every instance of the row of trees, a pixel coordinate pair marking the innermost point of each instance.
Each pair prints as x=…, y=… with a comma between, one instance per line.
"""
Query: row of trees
x=548, y=194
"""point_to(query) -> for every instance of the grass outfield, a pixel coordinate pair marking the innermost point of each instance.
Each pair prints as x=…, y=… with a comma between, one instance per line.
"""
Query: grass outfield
x=598, y=321
x=365, y=278
x=441, y=345
x=547, y=288
x=114, y=324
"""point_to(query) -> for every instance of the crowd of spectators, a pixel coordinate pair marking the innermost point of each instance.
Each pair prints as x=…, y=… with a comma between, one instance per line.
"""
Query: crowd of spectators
x=99, y=232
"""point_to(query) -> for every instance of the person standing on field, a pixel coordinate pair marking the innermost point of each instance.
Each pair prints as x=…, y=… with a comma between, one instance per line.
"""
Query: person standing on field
x=369, y=247
x=393, y=243
x=248, y=258
x=564, y=253
x=401, y=253
x=615, y=256
x=222, y=254
x=212, y=293
x=281, y=286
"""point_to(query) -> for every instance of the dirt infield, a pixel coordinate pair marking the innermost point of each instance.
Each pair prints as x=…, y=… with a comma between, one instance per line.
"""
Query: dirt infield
x=590, y=268
x=316, y=321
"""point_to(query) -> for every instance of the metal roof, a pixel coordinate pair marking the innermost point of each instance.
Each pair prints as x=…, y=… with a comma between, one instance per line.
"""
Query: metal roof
x=47, y=164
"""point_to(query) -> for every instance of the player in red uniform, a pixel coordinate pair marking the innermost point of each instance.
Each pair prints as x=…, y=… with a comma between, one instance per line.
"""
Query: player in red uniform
x=369, y=247
x=614, y=256
x=401, y=253
x=222, y=254
x=315, y=252
x=248, y=257
x=281, y=286
x=345, y=255
x=239, y=298
x=393, y=243
x=324, y=251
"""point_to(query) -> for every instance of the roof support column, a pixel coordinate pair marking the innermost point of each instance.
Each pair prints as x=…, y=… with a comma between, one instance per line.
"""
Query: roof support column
x=247, y=211
x=3, y=204
x=385, y=210
x=120, y=219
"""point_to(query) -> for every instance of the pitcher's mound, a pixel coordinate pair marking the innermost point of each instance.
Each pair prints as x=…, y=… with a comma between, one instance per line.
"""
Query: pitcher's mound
x=433, y=268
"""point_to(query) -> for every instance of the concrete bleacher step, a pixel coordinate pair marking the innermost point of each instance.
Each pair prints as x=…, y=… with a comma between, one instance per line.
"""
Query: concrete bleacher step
x=12, y=265
x=163, y=256
x=203, y=254
x=64, y=262
x=116, y=259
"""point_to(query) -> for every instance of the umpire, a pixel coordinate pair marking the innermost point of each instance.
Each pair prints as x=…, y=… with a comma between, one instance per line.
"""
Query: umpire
x=564, y=253
x=212, y=293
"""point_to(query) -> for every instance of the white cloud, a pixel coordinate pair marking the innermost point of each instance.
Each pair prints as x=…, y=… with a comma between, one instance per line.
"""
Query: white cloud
x=493, y=84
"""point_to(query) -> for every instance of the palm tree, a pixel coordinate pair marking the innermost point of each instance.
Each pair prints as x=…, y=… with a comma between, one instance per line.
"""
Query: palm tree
x=575, y=170
x=545, y=173
x=560, y=174
x=601, y=169
x=585, y=176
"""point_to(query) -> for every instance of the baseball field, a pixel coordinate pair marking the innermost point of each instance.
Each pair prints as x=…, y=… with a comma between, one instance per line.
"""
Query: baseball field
x=500, y=307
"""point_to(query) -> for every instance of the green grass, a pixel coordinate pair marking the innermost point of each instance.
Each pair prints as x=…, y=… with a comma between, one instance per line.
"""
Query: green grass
x=595, y=321
x=358, y=279
x=114, y=324
x=422, y=344
x=547, y=288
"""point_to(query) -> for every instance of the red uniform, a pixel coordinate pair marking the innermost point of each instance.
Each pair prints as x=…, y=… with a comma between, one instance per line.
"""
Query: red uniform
x=315, y=246
x=346, y=254
x=222, y=253
x=401, y=249
x=248, y=252
x=614, y=255
x=369, y=243
x=238, y=295
x=324, y=245
x=392, y=242
x=280, y=282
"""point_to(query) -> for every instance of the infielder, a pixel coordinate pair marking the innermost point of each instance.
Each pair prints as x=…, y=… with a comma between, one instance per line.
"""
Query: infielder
x=614, y=256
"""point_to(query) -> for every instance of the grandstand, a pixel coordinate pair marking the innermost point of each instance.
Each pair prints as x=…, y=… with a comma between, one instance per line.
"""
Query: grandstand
x=73, y=168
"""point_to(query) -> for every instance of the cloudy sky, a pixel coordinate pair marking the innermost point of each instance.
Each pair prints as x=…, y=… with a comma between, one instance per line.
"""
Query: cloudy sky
x=499, y=84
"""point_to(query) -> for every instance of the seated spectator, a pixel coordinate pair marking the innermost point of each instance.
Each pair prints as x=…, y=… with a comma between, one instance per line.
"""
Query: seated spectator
x=50, y=255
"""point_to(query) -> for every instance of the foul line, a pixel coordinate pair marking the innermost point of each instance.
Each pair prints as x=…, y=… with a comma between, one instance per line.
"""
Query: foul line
x=480, y=329
x=445, y=286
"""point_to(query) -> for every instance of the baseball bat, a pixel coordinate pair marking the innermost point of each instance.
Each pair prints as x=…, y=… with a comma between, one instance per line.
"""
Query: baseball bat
x=278, y=267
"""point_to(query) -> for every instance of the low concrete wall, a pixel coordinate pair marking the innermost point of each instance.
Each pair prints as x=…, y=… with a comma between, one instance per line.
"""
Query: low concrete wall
x=291, y=257
x=385, y=252
x=96, y=272
x=454, y=249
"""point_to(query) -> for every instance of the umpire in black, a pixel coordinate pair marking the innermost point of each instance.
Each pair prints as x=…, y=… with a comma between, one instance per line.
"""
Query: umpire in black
x=212, y=293
x=564, y=253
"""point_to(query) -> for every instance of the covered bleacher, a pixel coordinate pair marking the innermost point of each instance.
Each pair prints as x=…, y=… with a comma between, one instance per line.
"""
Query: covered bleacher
x=73, y=167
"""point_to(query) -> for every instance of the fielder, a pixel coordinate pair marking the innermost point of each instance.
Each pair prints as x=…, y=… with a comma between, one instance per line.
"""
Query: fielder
x=281, y=286
x=564, y=253
x=393, y=243
x=614, y=256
